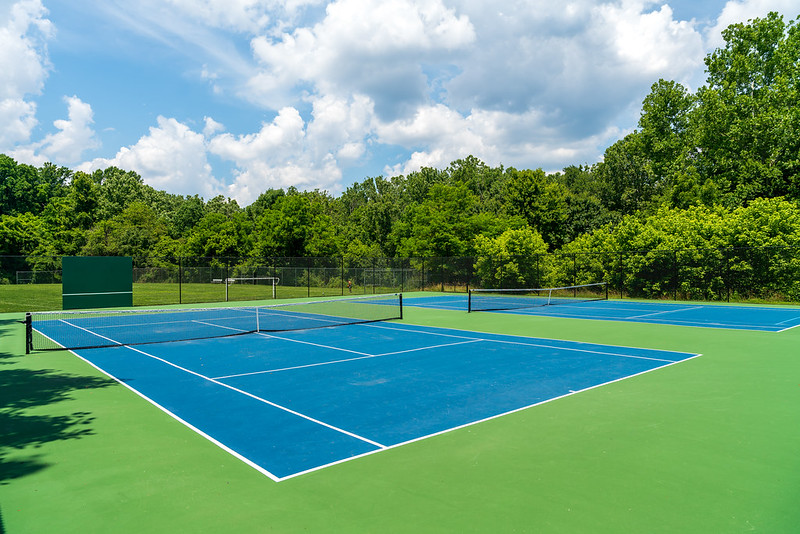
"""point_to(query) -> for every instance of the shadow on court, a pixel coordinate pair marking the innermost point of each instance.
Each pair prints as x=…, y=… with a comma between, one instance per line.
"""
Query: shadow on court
x=24, y=390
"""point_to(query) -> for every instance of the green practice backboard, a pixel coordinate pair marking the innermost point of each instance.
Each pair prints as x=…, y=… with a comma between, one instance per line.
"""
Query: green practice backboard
x=96, y=282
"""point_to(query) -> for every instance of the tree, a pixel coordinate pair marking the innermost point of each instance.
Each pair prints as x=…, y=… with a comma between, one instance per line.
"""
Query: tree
x=626, y=175
x=664, y=124
x=298, y=224
x=189, y=212
x=134, y=232
x=219, y=235
x=26, y=189
x=540, y=200
x=84, y=195
x=748, y=121
x=510, y=259
x=21, y=234
x=118, y=190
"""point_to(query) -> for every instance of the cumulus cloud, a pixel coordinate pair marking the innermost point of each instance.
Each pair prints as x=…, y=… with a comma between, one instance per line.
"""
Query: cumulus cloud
x=23, y=56
x=17, y=120
x=75, y=134
x=741, y=11
x=171, y=157
x=369, y=47
x=277, y=156
x=525, y=83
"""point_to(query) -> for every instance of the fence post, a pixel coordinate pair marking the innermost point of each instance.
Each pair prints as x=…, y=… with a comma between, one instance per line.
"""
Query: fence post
x=441, y=271
x=728, y=256
x=180, y=280
x=342, y=275
x=402, y=275
x=575, y=273
x=471, y=260
x=423, y=274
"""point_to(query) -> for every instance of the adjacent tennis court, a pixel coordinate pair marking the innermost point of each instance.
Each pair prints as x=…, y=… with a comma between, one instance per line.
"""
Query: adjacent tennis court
x=288, y=398
x=761, y=318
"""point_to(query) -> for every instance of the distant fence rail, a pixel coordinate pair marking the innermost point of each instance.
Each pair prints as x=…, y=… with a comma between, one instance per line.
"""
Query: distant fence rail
x=721, y=274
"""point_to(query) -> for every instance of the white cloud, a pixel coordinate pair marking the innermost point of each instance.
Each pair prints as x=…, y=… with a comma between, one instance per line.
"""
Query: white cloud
x=241, y=15
x=23, y=51
x=340, y=126
x=75, y=135
x=525, y=83
x=278, y=156
x=653, y=44
x=441, y=135
x=742, y=11
x=171, y=157
x=369, y=47
x=17, y=120
x=23, y=56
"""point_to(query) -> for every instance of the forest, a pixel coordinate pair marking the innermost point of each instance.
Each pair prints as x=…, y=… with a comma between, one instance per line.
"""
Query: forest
x=715, y=168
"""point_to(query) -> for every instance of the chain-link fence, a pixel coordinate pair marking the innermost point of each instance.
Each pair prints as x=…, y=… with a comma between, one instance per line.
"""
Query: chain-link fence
x=771, y=274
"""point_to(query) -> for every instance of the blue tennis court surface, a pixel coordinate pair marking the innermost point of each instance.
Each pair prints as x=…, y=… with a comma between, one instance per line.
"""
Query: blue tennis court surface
x=674, y=313
x=293, y=402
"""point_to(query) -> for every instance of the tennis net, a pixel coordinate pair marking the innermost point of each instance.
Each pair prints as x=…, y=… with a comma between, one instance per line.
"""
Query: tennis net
x=512, y=299
x=107, y=328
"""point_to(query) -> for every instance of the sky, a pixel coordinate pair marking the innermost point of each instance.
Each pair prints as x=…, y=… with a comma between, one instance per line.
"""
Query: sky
x=233, y=97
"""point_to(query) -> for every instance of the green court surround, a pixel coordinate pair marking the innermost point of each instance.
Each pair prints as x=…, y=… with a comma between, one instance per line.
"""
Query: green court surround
x=706, y=446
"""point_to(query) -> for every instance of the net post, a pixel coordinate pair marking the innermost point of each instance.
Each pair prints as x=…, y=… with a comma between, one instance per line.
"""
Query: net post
x=606, y=284
x=401, y=306
x=469, y=300
x=28, y=333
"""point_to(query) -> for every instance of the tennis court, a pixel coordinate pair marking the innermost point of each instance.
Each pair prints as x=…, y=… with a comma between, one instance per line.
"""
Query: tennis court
x=368, y=424
x=288, y=398
x=741, y=317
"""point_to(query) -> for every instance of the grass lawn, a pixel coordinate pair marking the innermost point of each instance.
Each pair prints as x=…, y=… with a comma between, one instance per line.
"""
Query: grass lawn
x=43, y=297
x=705, y=446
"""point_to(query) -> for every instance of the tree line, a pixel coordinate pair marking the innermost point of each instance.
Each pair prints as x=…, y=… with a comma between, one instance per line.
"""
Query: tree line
x=717, y=167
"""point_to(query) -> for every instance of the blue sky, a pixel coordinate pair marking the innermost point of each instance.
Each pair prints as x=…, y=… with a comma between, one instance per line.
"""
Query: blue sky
x=233, y=97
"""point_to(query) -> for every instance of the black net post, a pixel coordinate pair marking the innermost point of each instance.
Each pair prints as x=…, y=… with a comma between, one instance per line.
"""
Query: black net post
x=28, y=334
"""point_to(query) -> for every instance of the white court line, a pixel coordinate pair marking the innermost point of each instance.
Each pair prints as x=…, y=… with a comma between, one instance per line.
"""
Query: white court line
x=218, y=325
x=380, y=446
x=89, y=331
x=466, y=425
x=318, y=364
x=788, y=320
x=667, y=322
x=273, y=336
x=151, y=323
x=665, y=311
x=261, y=399
x=542, y=345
